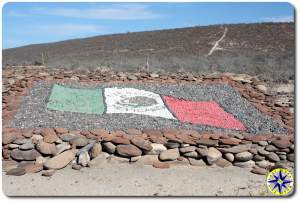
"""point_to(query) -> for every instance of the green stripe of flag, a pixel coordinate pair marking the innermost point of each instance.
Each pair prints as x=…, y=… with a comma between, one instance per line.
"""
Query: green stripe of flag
x=88, y=101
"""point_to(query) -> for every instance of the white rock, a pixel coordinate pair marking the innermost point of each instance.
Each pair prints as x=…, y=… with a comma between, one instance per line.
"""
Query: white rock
x=157, y=149
x=169, y=155
x=84, y=158
x=213, y=155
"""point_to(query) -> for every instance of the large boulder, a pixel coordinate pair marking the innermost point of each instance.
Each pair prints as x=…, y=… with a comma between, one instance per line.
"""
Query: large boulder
x=61, y=160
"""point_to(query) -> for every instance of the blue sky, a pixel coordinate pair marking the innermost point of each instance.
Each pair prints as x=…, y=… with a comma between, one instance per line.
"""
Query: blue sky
x=32, y=23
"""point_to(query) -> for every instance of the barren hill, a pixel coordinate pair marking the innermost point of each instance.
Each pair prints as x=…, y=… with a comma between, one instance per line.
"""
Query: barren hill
x=266, y=50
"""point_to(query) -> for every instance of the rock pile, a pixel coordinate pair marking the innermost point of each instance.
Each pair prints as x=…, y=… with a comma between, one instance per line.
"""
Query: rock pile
x=50, y=149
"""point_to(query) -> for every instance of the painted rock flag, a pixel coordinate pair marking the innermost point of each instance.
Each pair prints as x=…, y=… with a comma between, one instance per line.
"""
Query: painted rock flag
x=118, y=100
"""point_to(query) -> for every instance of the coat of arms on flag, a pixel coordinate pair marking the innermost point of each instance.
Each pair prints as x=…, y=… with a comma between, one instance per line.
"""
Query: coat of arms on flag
x=135, y=101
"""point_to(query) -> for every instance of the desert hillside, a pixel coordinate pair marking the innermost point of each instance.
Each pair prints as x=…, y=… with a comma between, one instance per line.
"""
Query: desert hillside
x=266, y=50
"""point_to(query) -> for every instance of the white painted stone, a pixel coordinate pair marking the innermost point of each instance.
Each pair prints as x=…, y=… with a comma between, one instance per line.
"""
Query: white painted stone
x=119, y=100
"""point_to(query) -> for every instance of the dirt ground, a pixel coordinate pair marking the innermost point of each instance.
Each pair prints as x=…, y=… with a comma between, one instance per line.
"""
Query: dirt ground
x=122, y=179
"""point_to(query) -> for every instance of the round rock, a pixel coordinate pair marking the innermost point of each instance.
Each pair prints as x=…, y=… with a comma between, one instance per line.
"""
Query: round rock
x=109, y=147
x=213, y=155
x=46, y=148
x=172, y=145
x=79, y=142
x=273, y=157
x=8, y=138
x=141, y=143
x=157, y=149
x=128, y=150
x=229, y=157
x=243, y=156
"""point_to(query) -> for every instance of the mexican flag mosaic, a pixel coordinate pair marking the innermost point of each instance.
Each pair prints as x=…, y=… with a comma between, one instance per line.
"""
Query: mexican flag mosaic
x=118, y=100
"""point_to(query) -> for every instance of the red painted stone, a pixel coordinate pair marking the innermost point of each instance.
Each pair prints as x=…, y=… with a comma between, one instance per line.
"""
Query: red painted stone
x=206, y=113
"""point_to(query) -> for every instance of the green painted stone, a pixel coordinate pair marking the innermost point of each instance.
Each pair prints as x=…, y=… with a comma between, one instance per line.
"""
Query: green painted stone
x=88, y=101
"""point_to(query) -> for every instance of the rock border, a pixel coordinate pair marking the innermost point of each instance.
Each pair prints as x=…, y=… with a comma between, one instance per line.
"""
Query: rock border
x=49, y=149
x=278, y=103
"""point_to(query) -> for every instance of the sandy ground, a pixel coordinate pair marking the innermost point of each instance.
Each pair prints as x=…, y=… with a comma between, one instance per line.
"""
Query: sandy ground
x=121, y=179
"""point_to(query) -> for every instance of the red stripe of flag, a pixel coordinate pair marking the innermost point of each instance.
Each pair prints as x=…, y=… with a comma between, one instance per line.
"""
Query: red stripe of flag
x=205, y=113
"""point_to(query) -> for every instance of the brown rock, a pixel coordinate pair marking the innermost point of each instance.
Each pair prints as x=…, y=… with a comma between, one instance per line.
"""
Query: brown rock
x=118, y=133
x=49, y=135
x=172, y=137
x=158, y=140
x=235, y=149
x=8, y=138
x=257, y=138
x=141, y=143
x=187, y=149
x=61, y=130
x=128, y=150
x=186, y=139
x=46, y=148
x=60, y=160
x=78, y=141
x=230, y=141
x=207, y=142
x=282, y=143
x=120, y=140
x=106, y=137
x=99, y=132
x=259, y=171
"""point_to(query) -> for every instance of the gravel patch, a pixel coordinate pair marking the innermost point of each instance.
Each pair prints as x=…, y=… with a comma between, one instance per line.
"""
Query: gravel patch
x=33, y=112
